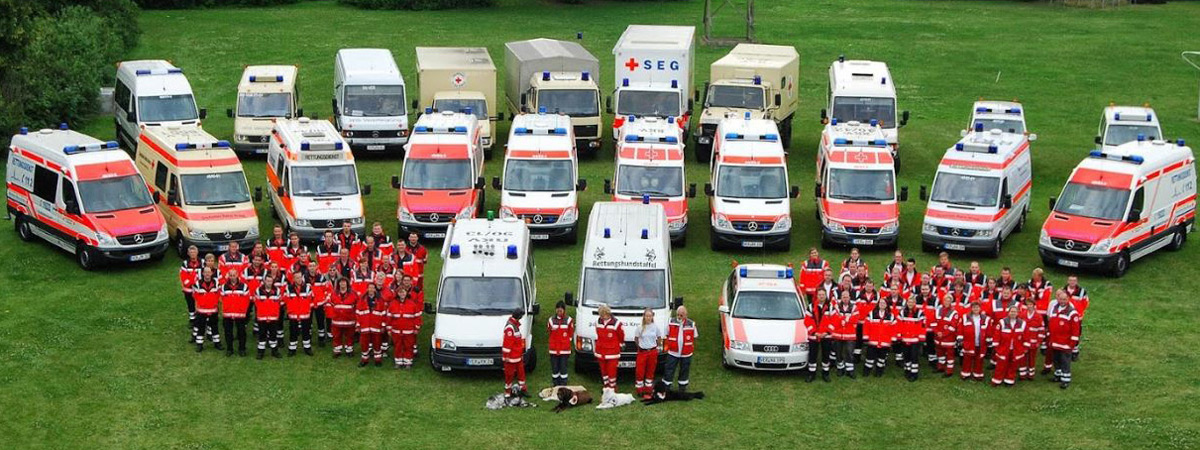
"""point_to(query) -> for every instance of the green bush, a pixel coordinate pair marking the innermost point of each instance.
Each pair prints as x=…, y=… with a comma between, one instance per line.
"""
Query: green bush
x=190, y=4
x=417, y=4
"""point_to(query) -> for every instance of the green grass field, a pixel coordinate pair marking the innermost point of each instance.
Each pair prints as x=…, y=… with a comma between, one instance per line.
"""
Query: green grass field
x=98, y=359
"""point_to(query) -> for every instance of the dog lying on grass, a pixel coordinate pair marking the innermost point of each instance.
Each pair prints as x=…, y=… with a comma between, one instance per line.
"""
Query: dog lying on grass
x=569, y=398
x=664, y=394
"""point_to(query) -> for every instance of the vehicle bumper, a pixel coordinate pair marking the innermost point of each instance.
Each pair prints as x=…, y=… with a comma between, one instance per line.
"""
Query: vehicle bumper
x=627, y=361
x=425, y=230
x=956, y=244
x=539, y=233
x=251, y=146
x=392, y=144
x=1075, y=260
x=861, y=240
x=752, y=240
x=445, y=360
x=127, y=254
x=246, y=245
x=745, y=359
x=677, y=235
x=317, y=234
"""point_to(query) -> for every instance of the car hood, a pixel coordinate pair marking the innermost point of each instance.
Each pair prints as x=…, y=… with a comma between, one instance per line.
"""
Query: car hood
x=353, y=123
x=1077, y=228
x=128, y=221
x=752, y=208
x=474, y=331
x=527, y=202
x=317, y=208
x=858, y=213
x=758, y=331
x=439, y=201
x=260, y=126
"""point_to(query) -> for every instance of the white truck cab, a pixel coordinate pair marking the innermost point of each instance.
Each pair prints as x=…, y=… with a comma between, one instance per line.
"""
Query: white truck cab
x=1122, y=124
x=369, y=100
x=762, y=319
x=650, y=167
x=627, y=266
x=487, y=273
x=1008, y=117
x=313, y=179
x=653, y=74
x=857, y=201
x=265, y=93
x=541, y=176
x=152, y=93
x=862, y=91
x=750, y=203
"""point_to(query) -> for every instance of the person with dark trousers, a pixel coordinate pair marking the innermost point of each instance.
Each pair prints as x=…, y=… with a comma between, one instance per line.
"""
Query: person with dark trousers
x=681, y=343
x=561, y=329
x=235, y=304
x=1063, y=336
x=514, y=357
x=912, y=334
x=189, y=271
x=878, y=331
x=298, y=299
x=811, y=319
x=207, y=294
x=825, y=318
x=267, y=308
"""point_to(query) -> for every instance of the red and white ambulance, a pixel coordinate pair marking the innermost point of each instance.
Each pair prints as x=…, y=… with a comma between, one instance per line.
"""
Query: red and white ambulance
x=83, y=195
x=649, y=157
x=750, y=204
x=541, y=176
x=442, y=178
x=857, y=200
x=1120, y=205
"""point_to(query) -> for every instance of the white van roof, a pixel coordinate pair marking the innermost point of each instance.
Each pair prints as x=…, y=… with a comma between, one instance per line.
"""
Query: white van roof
x=655, y=37
x=986, y=147
x=369, y=66
x=454, y=58
x=68, y=148
x=614, y=236
x=541, y=132
x=280, y=78
x=153, y=77
x=486, y=247
x=750, y=140
x=652, y=130
x=862, y=78
x=309, y=140
x=1138, y=158
x=1141, y=115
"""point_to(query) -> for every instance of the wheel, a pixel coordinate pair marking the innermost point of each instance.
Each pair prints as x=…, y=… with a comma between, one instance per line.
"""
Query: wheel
x=487, y=154
x=703, y=153
x=579, y=366
x=682, y=242
x=479, y=212
x=724, y=363
x=274, y=212
x=897, y=164
x=85, y=256
x=928, y=248
x=572, y=238
x=1047, y=262
x=1119, y=265
x=825, y=242
x=713, y=241
x=181, y=245
x=22, y=226
x=994, y=252
x=1021, y=222
x=785, y=132
x=531, y=362
x=1177, y=240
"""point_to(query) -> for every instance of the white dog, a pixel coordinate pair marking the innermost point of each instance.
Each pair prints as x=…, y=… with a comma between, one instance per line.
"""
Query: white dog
x=611, y=399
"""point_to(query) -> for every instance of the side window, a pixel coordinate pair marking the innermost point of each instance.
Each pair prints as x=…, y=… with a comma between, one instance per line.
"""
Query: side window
x=45, y=183
x=1139, y=202
x=730, y=288
x=173, y=193
x=68, y=192
x=279, y=168
x=160, y=177
x=121, y=95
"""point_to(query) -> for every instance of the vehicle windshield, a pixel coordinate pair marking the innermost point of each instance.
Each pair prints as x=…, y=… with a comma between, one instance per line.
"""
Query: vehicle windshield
x=634, y=289
x=857, y=184
x=373, y=101
x=648, y=103
x=654, y=181
x=767, y=305
x=538, y=175
x=863, y=109
x=748, y=97
x=437, y=174
x=481, y=296
x=114, y=194
x=1097, y=202
x=167, y=108
x=460, y=105
x=324, y=181
x=278, y=104
x=751, y=182
x=215, y=188
x=572, y=102
x=965, y=190
x=1120, y=134
x=1005, y=125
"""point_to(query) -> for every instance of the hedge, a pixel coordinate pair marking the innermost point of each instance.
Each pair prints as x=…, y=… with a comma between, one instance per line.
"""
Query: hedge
x=418, y=4
x=191, y=4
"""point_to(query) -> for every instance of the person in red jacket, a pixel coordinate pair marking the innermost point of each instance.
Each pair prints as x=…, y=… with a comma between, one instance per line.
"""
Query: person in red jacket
x=974, y=336
x=812, y=272
x=1080, y=300
x=207, y=292
x=383, y=242
x=405, y=312
x=560, y=329
x=681, y=344
x=878, y=331
x=342, y=302
x=419, y=251
x=276, y=244
x=320, y=297
x=1011, y=337
x=609, y=336
x=1063, y=334
x=235, y=303
x=514, y=357
x=189, y=271
x=824, y=307
x=840, y=324
x=349, y=240
x=369, y=320
x=975, y=276
x=945, y=317
x=267, y=307
x=327, y=251
x=810, y=328
x=363, y=275
x=1037, y=338
x=912, y=334
x=298, y=298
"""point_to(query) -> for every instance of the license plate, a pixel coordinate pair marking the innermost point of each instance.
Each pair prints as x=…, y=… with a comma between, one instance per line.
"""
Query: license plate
x=1068, y=263
x=223, y=248
x=955, y=247
x=752, y=244
x=539, y=237
x=141, y=257
x=375, y=147
x=260, y=151
x=435, y=235
x=770, y=360
x=481, y=361
x=626, y=364
x=862, y=241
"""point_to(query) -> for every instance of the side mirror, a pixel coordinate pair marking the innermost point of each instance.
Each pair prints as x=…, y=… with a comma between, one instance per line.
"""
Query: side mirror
x=496, y=183
x=607, y=186
x=723, y=309
x=690, y=105
x=203, y=113
x=429, y=308
x=366, y=190
x=258, y=194
x=691, y=191
x=581, y=185
x=524, y=99
x=1032, y=137
x=1099, y=140
x=500, y=116
x=677, y=302
x=71, y=206
x=479, y=183
x=1006, y=201
x=696, y=94
x=708, y=189
x=300, y=112
x=415, y=106
x=817, y=190
x=824, y=115
x=157, y=197
x=333, y=103
x=537, y=309
x=924, y=194
x=395, y=182
x=173, y=198
x=904, y=193
x=607, y=105
x=229, y=112
x=795, y=192
x=904, y=118
x=130, y=117
x=778, y=100
x=962, y=133
x=1135, y=215
x=280, y=192
x=1052, y=201
x=569, y=298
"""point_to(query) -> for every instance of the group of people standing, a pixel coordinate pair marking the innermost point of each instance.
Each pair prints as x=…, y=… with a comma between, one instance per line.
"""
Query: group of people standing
x=367, y=287
x=940, y=315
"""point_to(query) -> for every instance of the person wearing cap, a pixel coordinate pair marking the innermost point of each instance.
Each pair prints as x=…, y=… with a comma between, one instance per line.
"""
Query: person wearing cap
x=514, y=356
x=560, y=329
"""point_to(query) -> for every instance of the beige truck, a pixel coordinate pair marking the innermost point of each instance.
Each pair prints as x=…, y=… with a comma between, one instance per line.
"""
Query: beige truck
x=756, y=79
x=265, y=93
x=459, y=79
x=559, y=77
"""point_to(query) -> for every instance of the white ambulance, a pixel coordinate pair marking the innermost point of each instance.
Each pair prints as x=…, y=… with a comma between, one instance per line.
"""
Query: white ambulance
x=442, y=177
x=1120, y=205
x=857, y=201
x=369, y=100
x=541, y=176
x=627, y=266
x=83, y=195
x=151, y=93
x=649, y=156
x=1121, y=124
x=762, y=319
x=653, y=74
x=313, y=180
x=265, y=93
x=487, y=273
x=1008, y=117
x=861, y=91
x=981, y=192
x=750, y=203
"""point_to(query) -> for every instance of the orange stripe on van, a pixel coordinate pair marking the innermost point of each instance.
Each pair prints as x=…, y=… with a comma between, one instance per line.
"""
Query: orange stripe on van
x=181, y=163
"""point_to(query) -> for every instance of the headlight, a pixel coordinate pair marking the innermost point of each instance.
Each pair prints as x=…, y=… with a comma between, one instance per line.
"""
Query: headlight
x=405, y=215
x=678, y=224
x=105, y=239
x=358, y=220
x=1044, y=239
x=253, y=231
x=569, y=215
x=929, y=228
x=833, y=226
x=723, y=222
x=803, y=346
x=162, y=232
x=197, y=234
x=466, y=213
x=506, y=212
x=1103, y=245
x=302, y=222
x=784, y=223
x=444, y=344
x=583, y=344
x=739, y=345
x=983, y=233
x=890, y=228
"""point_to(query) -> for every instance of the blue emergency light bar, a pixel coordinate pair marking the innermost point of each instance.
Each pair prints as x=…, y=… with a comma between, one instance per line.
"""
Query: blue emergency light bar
x=522, y=130
x=671, y=140
x=879, y=142
x=607, y=233
x=743, y=272
x=624, y=82
x=73, y=149
x=23, y=130
x=266, y=79
x=1179, y=142
x=840, y=141
x=1136, y=159
x=541, y=110
x=757, y=80
x=982, y=109
x=645, y=233
x=874, y=122
x=545, y=75
x=460, y=128
x=834, y=121
x=586, y=76
x=633, y=138
x=305, y=145
x=192, y=146
x=645, y=200
x=883, y=80
x=338, y=145
x=671, y=120
x=1141, y=137
x=993, y=148
x=512, y=251
x=142, y=72
x=791, y=272
x=959, y=146
x=770, y=137
x=559, y=130
x=978, y=127
x=428, y=110
x=467, y=110
x=1014, y=110
x=455, y=250
x=733, y=136
x=674, y=84
x=63, y=126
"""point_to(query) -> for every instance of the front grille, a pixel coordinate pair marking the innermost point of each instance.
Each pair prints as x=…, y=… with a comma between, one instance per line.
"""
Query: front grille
x=434, y=217
x=774, y=348
x=629, y=347
x=327, y=223
x=1075, y=246
x=374, y=134
x=138, y=238
x=770, y=366
x=482, y=351
x=586, y=130
x=539, y=219
x=259, y=139
x=229, y=236
x=757, y=226
x=958, y=232
x=863, y=230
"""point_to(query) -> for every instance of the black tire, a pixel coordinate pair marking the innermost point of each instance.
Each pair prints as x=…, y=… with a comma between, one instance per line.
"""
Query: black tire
x=927, y=247
x=487, y=154
x=181, y=246
x=1047, y=262
x=1119, y=266
x=826, y=244
x=1021, y=222
x=531, y=361
x=572, y=238
x=994, y=252
x=785, y=132
x=85, y=257
x=479, y=208
x=682, y=242
x=579, y=366
x=703, y=153
x=1178, y=239
x=21, y=224
x=896, y=163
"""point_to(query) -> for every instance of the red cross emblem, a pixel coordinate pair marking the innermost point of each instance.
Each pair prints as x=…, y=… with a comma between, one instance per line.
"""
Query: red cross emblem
x=860, y=157
x=632, y=64
x=458, y=79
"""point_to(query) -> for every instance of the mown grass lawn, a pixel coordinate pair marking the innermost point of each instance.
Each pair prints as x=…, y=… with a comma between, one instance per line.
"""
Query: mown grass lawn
x=99, y=360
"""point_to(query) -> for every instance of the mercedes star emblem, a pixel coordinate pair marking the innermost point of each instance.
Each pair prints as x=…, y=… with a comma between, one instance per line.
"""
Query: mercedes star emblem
x=537, y=218
x=434, y=217
x=954, y=232
x=1070, y=245
x=752, y=226
x=137, y=239
x=330, y=224
x=374, y=134
x=862, y=228
x=228, y=235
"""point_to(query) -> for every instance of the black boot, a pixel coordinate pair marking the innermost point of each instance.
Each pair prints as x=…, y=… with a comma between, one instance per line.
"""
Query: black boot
x=879, y=372
x=229, y=351
x=218, y=346
x=362, y=363
x=308, y=351
x=825, y=376
x=199, y=348
x=812, y=375
x=291, y=352
x=260, y=354
x=1045, y=371
x=850, y=373
x=241, y=352
x=1064, y=385
x=275, y=352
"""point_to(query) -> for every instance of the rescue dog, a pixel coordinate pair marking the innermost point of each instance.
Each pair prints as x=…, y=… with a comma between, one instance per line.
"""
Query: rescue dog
x=568, y=398
x=611, y=399
x=501, y=401
x=664, y=394
x=550, y=394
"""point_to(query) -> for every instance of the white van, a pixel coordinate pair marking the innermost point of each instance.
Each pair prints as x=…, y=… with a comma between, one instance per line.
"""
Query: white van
x=541, y=176
x=980, y=193
x=627, y=266
x=862, y=91
x=1122, y=124
x=369, y=100
x=487, y=273
x=265, y=93
x=152, y=93
x=750, y=204
x=313, y=179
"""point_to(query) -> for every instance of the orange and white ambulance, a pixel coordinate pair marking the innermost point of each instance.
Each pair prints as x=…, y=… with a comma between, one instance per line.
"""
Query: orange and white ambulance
x=83, y=195
x=749, y=199
x=1120, y=205
x=207, y=201
x=442, y=178
x=649, y=168
x=313, y=180
x=857, y=200
x=541, y=176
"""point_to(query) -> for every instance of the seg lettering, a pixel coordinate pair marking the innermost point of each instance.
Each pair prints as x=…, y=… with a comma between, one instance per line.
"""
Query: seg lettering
x=660, y=64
